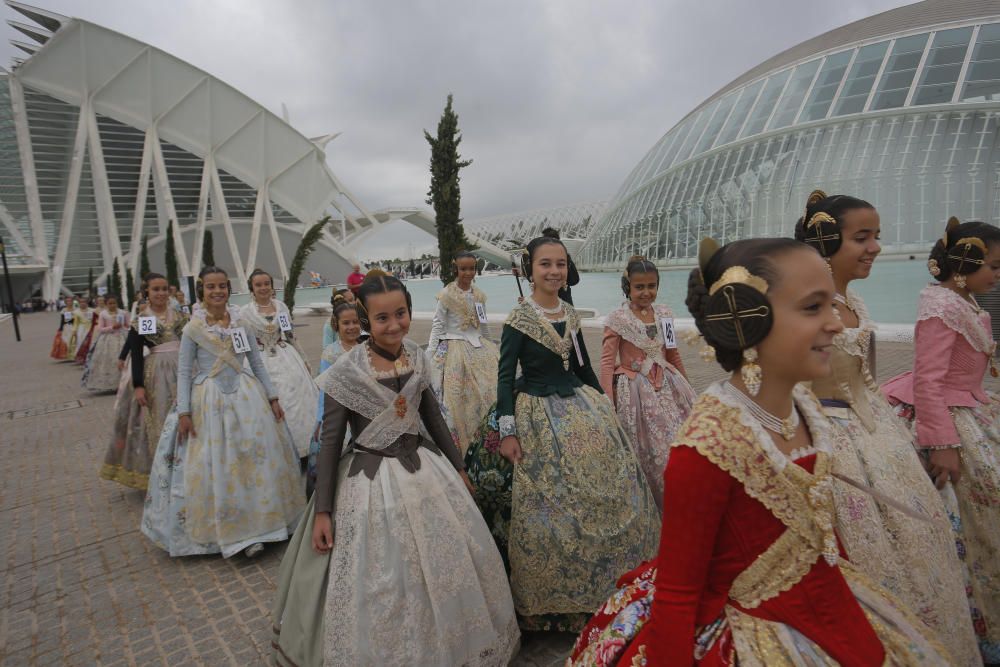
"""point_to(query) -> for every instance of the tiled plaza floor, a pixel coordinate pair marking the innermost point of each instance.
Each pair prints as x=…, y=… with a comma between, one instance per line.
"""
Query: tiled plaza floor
x=82, y=586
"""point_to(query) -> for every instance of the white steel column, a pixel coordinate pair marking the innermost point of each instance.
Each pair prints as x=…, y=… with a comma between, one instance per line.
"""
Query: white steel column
x=142, y=194
x=107, y=223
x=258, y=215
x=269, y=212
x=69, y=206
x=221, y=211
x=26, y=151
x=199, y=233
x=164, y=197
x=15, y=233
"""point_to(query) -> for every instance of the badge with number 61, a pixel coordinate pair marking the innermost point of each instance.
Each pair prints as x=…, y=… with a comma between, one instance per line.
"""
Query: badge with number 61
x=147, y=325
x=284, y=322
x=240, y=343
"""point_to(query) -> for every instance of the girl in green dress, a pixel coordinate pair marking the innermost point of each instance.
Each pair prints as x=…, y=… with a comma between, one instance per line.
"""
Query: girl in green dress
x=580, y=506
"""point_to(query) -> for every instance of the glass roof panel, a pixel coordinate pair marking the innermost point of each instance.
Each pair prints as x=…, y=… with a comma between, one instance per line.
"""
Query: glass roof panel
x=899, y=70
x=944, y=63
x=739, y=115
x=791, y=100
x=861, y=79
x=765, y=105
x=715, y=125
x=982, y=81
x=826, y=86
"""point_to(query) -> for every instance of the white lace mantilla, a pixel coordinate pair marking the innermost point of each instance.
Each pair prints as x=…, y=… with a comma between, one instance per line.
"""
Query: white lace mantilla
x=352, y=382
x=958, y=315
x=624, y=322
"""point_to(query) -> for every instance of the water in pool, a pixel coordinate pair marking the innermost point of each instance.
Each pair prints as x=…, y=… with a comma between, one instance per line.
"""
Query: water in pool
x=890, y=293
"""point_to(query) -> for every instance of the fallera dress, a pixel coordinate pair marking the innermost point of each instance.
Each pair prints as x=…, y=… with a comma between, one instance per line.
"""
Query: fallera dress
x=235, y=481
x=101, y=372
x=945, y=404
x=646, y=379
x=463, y=360
x=136, y=429
x=414, y=577
x=913, y=559
x=749, y=570
x=84, y=319
x=581, y=510
x=288, y=372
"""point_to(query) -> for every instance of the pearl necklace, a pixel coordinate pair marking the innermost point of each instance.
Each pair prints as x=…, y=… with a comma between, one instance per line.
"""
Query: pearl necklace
x=548, y=311
x=840, y=298
x=786, y=427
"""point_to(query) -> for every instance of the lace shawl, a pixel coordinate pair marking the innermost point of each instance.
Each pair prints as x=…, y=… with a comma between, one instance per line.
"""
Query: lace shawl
x=351, y=382
x=958, y=315
x=216, y=339
x=531, y=323
x=625, y=323
x=456, y=301
x=269, y=333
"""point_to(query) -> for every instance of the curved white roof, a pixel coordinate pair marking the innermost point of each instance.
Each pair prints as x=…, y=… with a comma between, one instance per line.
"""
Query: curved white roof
x=141, y=85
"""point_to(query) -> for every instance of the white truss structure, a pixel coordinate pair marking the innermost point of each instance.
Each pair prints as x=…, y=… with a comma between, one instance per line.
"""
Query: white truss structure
x=105, y=139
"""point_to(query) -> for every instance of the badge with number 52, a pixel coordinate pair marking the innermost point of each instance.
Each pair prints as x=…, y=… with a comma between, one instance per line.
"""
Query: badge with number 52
x=147, y=325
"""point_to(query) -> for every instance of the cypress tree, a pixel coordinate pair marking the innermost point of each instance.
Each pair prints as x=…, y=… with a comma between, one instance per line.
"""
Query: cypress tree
x=129, y=287
x=115, y=283
x=143, y=259
x=170, y=256
x=207, y=249
x=444, y=194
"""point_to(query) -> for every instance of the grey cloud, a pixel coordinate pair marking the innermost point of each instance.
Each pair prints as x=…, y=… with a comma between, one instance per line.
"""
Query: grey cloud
x=557, y=100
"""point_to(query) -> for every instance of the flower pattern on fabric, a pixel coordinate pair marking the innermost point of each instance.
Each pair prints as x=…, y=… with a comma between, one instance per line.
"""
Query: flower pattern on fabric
x=464, y=381
x=580, y=508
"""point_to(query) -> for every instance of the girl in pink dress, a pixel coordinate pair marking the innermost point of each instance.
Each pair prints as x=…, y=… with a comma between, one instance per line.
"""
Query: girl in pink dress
x=956, y=421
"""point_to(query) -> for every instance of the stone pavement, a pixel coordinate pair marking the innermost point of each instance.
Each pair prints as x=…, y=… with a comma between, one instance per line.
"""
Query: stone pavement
x=82, y=586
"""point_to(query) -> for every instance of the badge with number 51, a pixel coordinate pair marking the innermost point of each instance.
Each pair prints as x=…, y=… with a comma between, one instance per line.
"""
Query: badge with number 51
x=239, y=338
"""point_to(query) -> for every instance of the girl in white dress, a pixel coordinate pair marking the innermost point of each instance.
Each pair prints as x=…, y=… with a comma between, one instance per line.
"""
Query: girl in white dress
x=463, y=359
x=225, y=476
x=414, y=577
x=101, y=373
x=271, y=324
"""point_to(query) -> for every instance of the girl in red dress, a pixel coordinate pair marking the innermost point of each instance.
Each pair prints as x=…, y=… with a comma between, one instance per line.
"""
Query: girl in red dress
x=749, y=568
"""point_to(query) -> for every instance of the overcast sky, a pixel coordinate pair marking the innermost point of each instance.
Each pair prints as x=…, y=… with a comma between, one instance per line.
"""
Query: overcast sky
x=557, y=99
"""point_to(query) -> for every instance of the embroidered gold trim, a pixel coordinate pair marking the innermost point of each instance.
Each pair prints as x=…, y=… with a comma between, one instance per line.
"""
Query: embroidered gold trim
x=527, y=320
x=454, y=299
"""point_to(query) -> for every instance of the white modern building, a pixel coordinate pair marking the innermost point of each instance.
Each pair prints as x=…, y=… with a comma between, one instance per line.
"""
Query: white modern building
x=513, y=230
x=901, y=109
x=105, y=139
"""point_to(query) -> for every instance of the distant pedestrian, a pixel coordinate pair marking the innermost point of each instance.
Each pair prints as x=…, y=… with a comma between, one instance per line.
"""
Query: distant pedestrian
x=355, y=279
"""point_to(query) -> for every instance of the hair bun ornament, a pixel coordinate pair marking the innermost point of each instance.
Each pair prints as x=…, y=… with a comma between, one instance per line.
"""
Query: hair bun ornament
x=738, y=314
x=952, y=223
x=815, y=197
x=967, y=255
x=823, y=233
x=706, y=250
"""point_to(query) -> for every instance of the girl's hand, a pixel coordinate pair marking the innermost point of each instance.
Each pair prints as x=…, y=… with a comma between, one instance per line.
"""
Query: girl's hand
x=121, y=364
x=279, y=414
x=468, y=482
x=510, y=449
x=945, y=466
x=185, y=427
x=322, y=539
x=140, y=396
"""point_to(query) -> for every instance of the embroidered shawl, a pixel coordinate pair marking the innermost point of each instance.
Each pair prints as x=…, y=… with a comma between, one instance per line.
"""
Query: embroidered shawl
x=534, y=325
x=958, y=315
x=456, y=301
x=625, y=323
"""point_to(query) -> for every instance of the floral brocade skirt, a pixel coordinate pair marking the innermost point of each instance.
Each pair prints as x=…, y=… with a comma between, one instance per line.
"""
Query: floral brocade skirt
x=235, y=483
x=580, y=509
x=613, y=636
x=651, y=419
x=101, y=373
x=136, y=429
x=974, y=509
x=297, y=393
x=465, y=383
x=915, y=560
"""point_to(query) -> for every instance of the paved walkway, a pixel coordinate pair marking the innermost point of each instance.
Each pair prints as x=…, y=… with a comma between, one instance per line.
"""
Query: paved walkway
x=82, y=586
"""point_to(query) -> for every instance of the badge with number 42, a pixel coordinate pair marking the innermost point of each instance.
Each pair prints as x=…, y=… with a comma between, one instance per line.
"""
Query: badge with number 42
x=240, y=342
x=284, y=322
x=669, y=335
x=147, y=325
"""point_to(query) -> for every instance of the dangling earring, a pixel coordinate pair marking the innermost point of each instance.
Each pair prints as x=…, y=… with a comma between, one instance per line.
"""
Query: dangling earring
x=565, y=285
x=750, y=371
x=960, y=281
x=829, y=267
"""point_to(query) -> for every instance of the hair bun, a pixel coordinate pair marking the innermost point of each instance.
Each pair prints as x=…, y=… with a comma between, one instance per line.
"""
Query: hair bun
x=636, y=258
x=736, y=317
x=822, y=233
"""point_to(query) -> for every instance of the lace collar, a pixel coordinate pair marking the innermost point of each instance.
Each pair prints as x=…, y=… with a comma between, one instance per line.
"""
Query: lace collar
x=234, y=317
x=958, y=315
